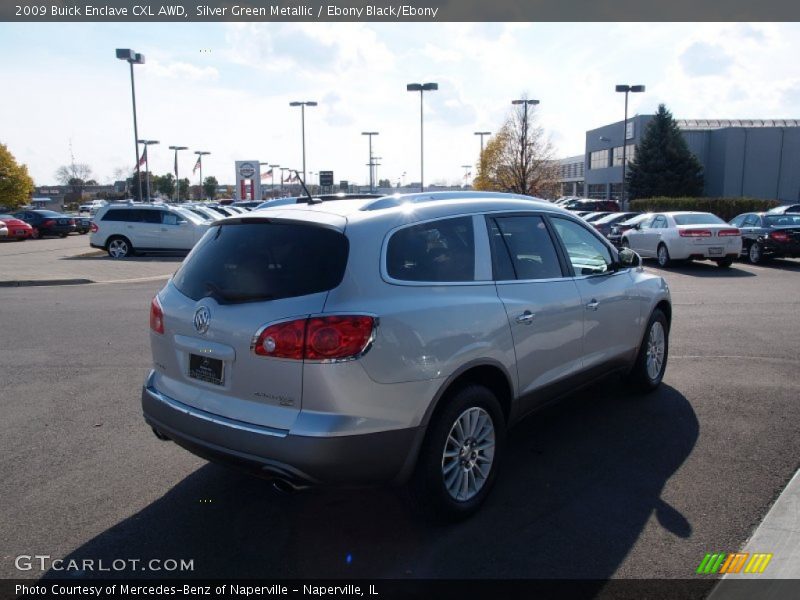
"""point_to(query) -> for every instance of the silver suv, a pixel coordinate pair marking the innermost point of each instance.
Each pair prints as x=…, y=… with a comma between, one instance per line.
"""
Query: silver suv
x=393, y=340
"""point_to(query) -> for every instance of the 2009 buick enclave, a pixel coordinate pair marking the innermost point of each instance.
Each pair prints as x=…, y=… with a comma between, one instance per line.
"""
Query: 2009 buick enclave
x=393, y=340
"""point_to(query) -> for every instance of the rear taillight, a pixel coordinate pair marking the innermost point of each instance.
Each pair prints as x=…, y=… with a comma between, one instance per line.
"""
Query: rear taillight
x=336, y=337
x=728, y=232
x=94, y=228
x=156, y=316
x=48, y=223
x=779, y=236
x=694, y=233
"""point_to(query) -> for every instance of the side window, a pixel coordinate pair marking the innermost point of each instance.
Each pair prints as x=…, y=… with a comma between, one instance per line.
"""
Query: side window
x=751, y=221
x=115, y=215
x=524, y=244
x=168, y=218
x=737, y=221
x=647, y=223
x=149, y=216
x=660, y=222
x=438, y=251
x=586, y=252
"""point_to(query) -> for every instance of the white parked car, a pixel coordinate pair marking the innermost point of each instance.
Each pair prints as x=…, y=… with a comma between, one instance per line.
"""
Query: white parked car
x=672, y=236
x=125, y=229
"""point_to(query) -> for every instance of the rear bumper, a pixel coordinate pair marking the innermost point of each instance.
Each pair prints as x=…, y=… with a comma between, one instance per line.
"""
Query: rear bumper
x=366, y=459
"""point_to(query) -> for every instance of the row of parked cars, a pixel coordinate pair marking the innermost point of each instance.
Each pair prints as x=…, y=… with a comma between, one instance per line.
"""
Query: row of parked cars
x=38, y=223
x=687, y=235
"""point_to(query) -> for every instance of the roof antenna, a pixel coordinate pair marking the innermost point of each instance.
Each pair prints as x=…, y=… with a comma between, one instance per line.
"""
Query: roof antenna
x=305, y=189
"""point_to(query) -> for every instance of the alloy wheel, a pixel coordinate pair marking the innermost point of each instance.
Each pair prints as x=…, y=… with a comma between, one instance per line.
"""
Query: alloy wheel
x=118, y=248
x=468, y=454
x=656, y=345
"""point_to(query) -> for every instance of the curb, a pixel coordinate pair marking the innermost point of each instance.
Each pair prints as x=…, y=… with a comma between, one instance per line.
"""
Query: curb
x=44, y=282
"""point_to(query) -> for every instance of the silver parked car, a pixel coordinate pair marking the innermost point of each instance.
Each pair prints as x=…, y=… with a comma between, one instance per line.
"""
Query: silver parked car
x=393, y=340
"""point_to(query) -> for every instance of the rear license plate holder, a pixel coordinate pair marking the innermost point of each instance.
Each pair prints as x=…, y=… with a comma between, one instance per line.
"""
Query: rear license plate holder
x=716, y=251
x=205, y=368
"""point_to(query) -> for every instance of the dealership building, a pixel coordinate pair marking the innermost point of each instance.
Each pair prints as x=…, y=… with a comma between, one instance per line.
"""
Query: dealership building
x=740, y=158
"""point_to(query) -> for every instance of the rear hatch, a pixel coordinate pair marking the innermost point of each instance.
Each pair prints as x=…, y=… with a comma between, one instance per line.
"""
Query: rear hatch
x=244, y=274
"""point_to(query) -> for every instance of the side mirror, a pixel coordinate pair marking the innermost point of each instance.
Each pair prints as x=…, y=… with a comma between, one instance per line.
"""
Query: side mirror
x=628, y=258
x=637, y=226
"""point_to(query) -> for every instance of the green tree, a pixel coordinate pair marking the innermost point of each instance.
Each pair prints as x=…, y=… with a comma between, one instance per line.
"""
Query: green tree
x=16, y=185
x=183, y=188
x=519, y=158
x=210, y=187
x=165, y=184
x=664, y=165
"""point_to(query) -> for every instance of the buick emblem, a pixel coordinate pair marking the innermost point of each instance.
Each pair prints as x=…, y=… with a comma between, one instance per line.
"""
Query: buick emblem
x=201, y=319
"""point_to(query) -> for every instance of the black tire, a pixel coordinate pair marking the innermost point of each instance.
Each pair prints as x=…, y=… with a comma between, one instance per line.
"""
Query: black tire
x=63, y=235
x=725, y=263
x=36, y=234
x=118, y=246
x=663, y=258
x=640, y=376
x=427, y=490
x=755, y=253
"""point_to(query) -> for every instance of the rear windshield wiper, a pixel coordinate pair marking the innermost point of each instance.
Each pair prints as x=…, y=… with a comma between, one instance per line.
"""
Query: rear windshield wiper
x=221, y=296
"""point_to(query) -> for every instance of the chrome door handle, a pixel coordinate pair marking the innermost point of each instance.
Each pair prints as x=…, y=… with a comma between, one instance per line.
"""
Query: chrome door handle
x=592, y=305
x=526, y=318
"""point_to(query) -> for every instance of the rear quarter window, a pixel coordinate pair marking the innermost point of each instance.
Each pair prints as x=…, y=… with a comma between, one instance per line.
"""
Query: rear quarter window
x=259, y=261
x=437, y=251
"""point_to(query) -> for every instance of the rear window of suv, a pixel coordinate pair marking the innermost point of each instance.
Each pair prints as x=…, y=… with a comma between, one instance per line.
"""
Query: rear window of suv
x=259, y=261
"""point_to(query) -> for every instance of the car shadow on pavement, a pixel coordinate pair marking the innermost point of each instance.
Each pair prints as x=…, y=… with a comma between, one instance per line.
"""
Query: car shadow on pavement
x=784, y=264
x=169, y=258
x=580, y=482
x=703, y=269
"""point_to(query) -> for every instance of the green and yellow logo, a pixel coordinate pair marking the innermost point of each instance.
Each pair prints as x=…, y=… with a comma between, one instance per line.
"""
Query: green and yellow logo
x=736, y=562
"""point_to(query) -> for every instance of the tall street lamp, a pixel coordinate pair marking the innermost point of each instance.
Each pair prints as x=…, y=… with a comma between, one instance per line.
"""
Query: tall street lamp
x=272, y=168
x=626, y=89
x=199, y=165
x=177, y=181
x=371, y=175
x=482, y=133
x=133, y=58
x=421, y=88
x=524, y=150
x=302, y=106
x=147, y=143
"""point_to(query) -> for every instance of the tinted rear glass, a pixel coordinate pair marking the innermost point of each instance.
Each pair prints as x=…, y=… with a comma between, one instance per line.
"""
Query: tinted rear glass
x=788, y=220
x=698, y=219
x=437, y=251
x=256, y=261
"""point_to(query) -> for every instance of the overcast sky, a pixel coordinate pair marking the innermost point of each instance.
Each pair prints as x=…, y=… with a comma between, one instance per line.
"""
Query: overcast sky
x=225, y=88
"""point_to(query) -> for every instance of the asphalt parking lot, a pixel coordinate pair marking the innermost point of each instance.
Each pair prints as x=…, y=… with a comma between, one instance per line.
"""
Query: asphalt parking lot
x=606, y=484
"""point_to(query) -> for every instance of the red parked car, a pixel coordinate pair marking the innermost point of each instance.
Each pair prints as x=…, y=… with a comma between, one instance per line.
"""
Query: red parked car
x=17, y=228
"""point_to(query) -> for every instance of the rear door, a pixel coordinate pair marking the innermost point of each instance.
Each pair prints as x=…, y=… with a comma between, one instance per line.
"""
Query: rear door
x=542, y=303
x=177, y=233
x=240, y=278
x=610, y=305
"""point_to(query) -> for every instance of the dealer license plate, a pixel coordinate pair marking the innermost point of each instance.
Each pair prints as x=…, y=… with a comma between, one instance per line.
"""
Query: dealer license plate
x=205, y=368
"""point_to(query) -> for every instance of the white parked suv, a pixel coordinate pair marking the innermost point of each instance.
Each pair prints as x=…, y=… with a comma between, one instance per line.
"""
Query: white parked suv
x=670, y=236
x=125, y=229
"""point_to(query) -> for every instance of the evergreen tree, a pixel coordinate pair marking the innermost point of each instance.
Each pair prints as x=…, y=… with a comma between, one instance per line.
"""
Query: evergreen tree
x=664, y=165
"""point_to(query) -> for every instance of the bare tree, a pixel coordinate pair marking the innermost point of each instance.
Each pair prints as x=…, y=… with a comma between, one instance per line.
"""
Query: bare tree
x=519, y=158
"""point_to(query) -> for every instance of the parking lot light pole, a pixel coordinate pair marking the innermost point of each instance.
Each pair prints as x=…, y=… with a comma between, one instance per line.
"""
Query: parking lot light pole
x=626, y=89
x=523, y=154
x=133, y=58
x=177, y=185
x=302, y=106
x=200, y=155
x=482, y=133
x=371, y=173
x=147, y=143
x=421, y=88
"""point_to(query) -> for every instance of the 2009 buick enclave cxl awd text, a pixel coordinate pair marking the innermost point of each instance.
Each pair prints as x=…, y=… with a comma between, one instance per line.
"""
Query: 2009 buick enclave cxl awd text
x=393, y=340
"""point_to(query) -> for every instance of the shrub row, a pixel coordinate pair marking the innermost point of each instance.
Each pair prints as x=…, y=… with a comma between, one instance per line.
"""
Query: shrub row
x=724, y=208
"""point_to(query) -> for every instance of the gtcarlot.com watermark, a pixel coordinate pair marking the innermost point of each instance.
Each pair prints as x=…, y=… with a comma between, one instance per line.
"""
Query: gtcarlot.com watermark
x=44, y=562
